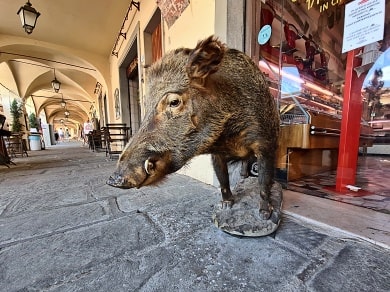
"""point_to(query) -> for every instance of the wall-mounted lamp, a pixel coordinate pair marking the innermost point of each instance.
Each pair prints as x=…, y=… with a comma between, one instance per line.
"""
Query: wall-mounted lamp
x=98, y=87
x=115, y=51
x=28, y=17
x=136, y=4
x=55, y=83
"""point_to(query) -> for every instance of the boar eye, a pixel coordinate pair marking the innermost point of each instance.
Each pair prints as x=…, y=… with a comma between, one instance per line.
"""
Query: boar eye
x=174, y=101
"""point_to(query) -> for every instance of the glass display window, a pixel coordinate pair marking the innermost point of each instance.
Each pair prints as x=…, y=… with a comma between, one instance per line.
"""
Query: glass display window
x=299, y=47
x=302, y=41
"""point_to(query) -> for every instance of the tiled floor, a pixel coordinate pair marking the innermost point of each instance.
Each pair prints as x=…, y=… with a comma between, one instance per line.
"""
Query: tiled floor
x=373, y=177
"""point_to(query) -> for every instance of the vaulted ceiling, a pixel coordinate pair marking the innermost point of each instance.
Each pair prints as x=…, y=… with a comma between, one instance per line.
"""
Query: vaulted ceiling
x=72, y=41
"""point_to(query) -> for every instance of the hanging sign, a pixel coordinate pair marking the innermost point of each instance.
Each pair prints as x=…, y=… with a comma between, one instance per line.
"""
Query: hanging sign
x=264, y=34
x=320, y=5
x=364, y=23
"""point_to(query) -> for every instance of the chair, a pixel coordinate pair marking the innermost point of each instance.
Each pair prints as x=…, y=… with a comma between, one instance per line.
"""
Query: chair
x=16, y=145
x=116, y=138
x=96, y=140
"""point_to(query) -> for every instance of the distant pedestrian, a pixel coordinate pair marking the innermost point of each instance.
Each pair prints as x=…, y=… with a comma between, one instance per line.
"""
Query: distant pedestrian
x=56, y=136
x=88, y=127
x=61, y=134
x=67, y=134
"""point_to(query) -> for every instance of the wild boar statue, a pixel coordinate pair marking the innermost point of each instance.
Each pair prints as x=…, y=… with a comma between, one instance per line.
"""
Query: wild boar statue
x=207, y=100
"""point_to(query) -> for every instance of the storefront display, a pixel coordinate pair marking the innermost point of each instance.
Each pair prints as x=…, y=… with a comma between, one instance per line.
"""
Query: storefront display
x=299, y=48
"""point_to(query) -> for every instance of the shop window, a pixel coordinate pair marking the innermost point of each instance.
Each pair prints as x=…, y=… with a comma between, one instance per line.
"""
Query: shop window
x=299, y=48
x=303, y=44
x=376, y=88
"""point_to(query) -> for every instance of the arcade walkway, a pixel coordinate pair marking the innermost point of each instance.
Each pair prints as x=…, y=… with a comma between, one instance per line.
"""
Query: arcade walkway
x=63, y=229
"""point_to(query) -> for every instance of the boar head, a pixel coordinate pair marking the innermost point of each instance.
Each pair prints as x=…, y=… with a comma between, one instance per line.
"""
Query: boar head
x=184, y=118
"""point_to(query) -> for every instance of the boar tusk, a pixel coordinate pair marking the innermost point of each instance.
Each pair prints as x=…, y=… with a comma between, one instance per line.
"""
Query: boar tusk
x=146, y=166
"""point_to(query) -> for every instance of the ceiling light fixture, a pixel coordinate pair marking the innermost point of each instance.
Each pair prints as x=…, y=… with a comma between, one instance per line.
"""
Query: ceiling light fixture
x=28, y=16
x=63, y=103
x=55, y=83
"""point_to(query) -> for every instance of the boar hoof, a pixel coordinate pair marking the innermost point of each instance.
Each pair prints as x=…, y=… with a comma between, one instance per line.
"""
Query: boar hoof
x=226, y=204
x=275, y=217
x=265, y=210
x=264, y=214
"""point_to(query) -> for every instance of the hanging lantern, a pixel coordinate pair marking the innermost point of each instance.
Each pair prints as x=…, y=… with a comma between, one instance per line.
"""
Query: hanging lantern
x=28, y=16
x=55, y=83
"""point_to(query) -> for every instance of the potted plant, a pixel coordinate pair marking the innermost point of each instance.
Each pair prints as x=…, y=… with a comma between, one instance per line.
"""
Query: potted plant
x=16, y=113
x=34, y=137
x=33, y=122
x=16, y=139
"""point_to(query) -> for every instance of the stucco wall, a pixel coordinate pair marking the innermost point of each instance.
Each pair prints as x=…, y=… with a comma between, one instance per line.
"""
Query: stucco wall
x=195, y=23
x=200, y=19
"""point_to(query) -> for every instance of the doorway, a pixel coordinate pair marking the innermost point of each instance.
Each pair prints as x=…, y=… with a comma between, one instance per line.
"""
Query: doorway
x=133, y=95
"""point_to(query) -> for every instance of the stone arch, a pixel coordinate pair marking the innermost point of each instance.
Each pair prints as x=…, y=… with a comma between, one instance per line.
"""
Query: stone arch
x=29, y=69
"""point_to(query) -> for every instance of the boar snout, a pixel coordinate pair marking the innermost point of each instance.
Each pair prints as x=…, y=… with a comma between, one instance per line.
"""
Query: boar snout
x=127, y=177
x=117, y=180
x=147, y=169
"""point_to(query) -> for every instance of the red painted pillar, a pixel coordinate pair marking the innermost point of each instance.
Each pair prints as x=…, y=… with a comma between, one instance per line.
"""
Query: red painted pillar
x=350, y=125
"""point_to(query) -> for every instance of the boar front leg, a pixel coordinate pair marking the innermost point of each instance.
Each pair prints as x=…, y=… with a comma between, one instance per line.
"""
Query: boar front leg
x=265, y=176
x=221, y=171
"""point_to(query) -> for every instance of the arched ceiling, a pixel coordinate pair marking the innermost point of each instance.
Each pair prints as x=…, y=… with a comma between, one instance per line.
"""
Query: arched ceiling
x=72, y=39
x=87, y=25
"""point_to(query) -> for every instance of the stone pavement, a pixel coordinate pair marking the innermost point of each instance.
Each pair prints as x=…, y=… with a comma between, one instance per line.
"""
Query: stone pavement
x=63, y=229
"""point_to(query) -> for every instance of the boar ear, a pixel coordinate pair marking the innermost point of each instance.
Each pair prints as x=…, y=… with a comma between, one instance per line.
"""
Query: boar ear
x=205, y=58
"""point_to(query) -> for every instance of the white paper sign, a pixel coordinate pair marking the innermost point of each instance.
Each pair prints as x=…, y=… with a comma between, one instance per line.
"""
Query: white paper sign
x=364, y=23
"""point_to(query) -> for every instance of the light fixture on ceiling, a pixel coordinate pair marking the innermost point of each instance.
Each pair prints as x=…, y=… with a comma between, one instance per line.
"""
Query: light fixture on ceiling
x=28, y=17
x=63, y=103
x=55, y=83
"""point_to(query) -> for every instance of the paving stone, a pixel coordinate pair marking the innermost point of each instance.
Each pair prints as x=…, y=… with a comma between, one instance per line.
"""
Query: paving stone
x=38, y=224
x=127, y=272
x=304, y=239
x=43, y=200
x=357, y=267
x=41, y=263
